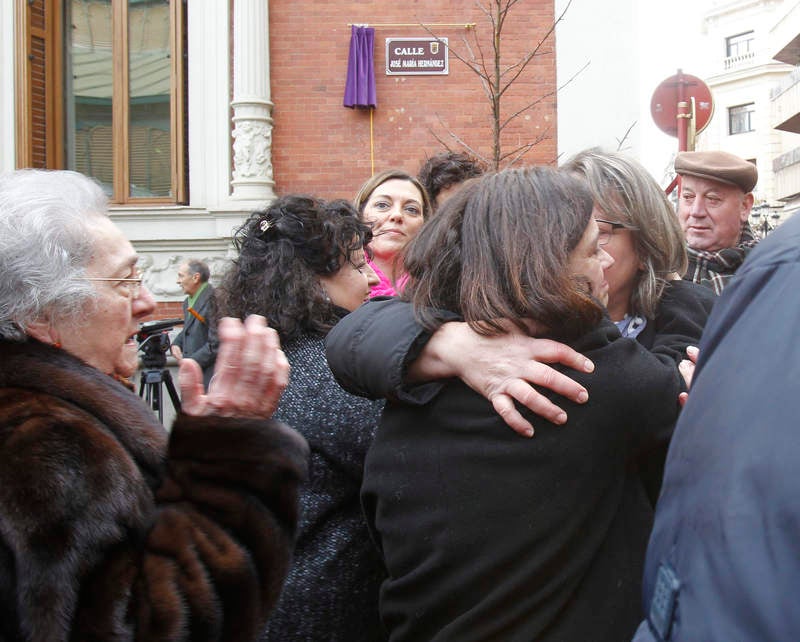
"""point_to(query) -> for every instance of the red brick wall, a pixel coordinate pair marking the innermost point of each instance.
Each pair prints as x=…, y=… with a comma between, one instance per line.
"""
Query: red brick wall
x=167, y=310
x=323, y=148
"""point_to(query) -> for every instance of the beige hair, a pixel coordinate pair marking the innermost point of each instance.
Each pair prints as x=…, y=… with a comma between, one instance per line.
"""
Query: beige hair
x=623, y=188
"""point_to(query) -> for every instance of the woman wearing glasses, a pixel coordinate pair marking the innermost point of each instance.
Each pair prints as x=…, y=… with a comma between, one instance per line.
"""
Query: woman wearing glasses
x=112, y=529
x=647, y=298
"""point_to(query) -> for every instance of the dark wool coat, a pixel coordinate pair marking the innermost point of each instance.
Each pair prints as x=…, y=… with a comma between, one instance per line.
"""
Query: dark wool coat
x=331, y=592
x=723, y=561
x=681, y=315
x=680, y=318
x=111, y=530
x=502, y=537
x=370, y=349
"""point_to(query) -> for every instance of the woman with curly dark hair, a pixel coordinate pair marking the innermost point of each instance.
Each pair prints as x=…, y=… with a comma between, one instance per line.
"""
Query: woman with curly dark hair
x=301, y=264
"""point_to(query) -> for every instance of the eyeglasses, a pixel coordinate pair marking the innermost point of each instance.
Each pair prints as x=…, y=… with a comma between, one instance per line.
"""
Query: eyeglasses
x=605, y=235
x=132, y=286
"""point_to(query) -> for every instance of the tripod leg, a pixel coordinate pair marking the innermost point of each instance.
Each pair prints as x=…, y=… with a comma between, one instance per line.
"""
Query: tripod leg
x=157, y=399
x=173, y=394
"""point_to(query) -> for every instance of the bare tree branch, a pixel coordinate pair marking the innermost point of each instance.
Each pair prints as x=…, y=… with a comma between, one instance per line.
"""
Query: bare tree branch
x=461, y=142
x=474, y=67
x=521, y=65
x=479, y=62
x=522, y=150
x=530, y=105
x=481, y=57
x=620, y=141
x=541, y=98
x=497, y=80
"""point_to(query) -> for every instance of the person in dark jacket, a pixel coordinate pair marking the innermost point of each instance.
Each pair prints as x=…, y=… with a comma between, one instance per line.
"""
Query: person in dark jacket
x=647, y=298
x=301, y=264
x=723, y=561
x=112, y=529
x=486, y=536
x=198, y=338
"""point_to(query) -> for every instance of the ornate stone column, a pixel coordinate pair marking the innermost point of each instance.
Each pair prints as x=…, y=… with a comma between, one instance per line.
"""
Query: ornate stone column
x=252, y=108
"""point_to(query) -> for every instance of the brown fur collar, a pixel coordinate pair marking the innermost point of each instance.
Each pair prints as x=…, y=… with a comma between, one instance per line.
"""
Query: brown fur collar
x=42, y=368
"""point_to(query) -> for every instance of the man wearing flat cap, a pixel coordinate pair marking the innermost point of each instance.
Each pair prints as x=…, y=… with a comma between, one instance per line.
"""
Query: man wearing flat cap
x=713, y=208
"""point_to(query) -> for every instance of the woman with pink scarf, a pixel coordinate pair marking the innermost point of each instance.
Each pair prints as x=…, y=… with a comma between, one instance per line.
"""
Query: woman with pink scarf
x=396, y=205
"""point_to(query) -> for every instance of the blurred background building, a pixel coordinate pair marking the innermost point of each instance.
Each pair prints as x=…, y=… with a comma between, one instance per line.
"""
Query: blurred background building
x=753, y=50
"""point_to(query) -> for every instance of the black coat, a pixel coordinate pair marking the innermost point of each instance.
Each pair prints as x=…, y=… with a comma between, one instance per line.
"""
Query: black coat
x=112, y=530
x=490, y=536
x=727, y=528
x=680, y=317
x=331, y=592
x=371, y=348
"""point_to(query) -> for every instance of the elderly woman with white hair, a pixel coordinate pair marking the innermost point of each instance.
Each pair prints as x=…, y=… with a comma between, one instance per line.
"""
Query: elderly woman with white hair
x=111, y=529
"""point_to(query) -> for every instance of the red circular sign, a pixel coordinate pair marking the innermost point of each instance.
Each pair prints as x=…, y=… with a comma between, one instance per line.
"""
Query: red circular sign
x=679, y=88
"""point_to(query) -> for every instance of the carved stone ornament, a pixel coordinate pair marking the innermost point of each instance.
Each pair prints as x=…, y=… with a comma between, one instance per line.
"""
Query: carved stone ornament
x=252, y=150
x=160, y=275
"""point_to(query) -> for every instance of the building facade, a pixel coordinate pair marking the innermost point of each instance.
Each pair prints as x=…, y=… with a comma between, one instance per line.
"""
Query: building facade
x=746, y=71
x=191, y=113
x=785, y=108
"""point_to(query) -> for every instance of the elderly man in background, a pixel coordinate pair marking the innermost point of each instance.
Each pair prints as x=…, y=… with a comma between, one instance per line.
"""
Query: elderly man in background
x=714, y=205
x=198, y=339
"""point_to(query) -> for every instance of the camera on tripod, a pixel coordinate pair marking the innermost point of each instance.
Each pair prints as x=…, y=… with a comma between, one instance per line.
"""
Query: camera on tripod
x=153, y=338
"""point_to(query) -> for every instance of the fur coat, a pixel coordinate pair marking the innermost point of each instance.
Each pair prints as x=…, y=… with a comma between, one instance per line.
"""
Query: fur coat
x=110, y=529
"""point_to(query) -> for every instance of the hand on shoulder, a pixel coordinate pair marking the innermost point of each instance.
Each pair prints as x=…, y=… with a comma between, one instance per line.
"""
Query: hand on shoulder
x=504, y=368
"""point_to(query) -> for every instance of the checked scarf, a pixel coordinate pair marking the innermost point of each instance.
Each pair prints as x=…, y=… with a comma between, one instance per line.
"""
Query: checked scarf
x=715, y=269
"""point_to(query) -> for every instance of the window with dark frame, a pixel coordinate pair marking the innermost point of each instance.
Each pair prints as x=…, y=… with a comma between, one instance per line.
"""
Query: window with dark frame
x=741, y=118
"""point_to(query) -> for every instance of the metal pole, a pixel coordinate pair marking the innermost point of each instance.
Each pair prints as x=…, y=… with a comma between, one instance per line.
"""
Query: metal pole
x=683, y=125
